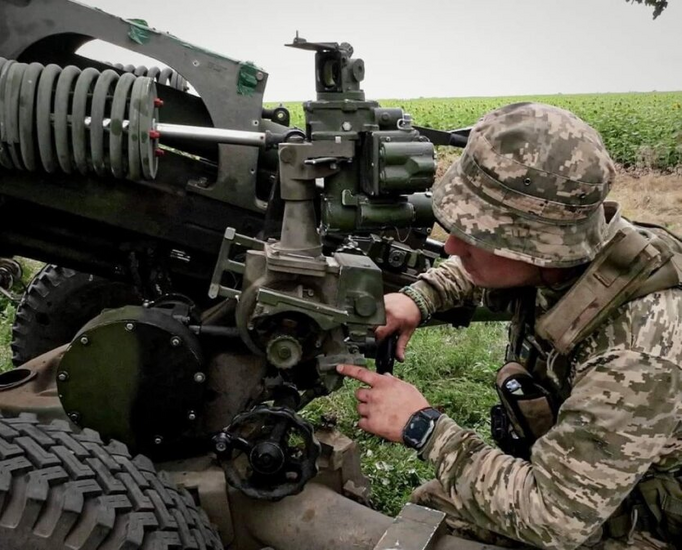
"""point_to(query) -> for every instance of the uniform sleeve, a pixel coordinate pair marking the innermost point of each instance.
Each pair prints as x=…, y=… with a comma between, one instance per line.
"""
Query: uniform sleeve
x=615, y=423
x=447, y=286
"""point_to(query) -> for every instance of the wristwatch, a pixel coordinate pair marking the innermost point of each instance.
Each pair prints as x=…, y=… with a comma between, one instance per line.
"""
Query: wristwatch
x=419, y=428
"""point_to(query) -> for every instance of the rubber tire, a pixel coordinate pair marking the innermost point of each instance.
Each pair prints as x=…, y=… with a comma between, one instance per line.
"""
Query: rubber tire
x=62, y=489
x=57, y=303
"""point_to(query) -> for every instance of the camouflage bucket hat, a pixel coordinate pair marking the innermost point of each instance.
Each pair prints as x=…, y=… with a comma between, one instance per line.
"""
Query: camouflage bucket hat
x=529, y=186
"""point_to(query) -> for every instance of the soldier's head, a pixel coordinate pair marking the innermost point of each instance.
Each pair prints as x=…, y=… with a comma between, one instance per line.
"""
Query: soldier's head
x=526, y=193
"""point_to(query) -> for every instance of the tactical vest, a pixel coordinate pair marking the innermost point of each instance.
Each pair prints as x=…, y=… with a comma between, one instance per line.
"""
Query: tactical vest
x=638, y=260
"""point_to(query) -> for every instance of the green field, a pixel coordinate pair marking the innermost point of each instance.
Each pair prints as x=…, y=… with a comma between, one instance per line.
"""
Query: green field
x=637, y=128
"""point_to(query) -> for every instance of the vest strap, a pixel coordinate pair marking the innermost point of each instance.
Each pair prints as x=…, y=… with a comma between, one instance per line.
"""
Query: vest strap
x=621, y=272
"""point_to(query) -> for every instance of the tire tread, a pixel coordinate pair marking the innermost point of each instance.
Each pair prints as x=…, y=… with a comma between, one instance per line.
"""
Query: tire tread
x=64, y=489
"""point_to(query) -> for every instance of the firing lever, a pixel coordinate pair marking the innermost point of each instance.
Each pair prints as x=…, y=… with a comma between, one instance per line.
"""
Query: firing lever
x=385, y=358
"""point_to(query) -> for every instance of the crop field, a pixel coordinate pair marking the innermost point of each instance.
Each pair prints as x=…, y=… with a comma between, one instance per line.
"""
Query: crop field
x=455, y=367
x=638, y=128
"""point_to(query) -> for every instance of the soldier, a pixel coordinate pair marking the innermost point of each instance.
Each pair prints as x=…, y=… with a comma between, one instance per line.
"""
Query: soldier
x=590, y=421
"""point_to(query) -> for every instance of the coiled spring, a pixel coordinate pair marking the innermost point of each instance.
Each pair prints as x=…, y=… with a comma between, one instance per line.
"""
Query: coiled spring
x=68, y=119
x=167, y=77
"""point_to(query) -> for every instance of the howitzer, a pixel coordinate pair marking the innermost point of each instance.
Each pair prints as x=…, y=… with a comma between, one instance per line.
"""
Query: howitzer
x=253, y=256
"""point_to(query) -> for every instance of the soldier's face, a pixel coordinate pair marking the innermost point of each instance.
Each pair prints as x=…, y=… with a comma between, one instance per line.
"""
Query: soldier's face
x=487, y=270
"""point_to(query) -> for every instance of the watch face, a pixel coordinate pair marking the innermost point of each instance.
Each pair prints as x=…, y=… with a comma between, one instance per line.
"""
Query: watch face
x=416, y=430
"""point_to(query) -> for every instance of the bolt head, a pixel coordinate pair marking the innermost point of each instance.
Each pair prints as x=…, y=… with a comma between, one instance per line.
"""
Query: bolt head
x=74, y=417
x=191, y=415
x=220, y=447
x=63, y=376
x=130, y=327
x=259, y=76
x=85, y=340
x=287, y=155
x=158, y=440
x=199, y=377
x=346, y=126
x=175, y=341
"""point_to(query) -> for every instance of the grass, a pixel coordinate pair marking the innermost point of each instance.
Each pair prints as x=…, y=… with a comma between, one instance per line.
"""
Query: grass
x=8, y=310
x=455, y=369
x=6, y=320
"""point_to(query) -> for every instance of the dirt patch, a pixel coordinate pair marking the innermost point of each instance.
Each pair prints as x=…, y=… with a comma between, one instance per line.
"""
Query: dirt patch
x=652, y=197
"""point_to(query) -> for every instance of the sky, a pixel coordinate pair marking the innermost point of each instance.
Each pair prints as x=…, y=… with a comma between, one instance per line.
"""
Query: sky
x=432, y=48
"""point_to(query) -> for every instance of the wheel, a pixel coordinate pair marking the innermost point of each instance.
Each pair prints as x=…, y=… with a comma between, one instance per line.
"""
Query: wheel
x=62, y=489
x=57, y=303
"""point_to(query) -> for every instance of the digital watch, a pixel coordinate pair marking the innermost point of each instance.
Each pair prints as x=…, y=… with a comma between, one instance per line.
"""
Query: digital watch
x=419, y=427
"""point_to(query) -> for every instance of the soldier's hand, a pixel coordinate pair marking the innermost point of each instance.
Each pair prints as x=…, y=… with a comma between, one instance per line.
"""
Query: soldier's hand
x=386, y=405
x=402, y=316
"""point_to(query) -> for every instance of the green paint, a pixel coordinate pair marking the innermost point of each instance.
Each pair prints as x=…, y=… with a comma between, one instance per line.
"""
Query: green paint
x=247, y=82
x=139, y=31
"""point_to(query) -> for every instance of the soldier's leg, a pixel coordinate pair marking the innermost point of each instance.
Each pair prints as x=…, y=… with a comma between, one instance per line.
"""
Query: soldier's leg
x=432, y=495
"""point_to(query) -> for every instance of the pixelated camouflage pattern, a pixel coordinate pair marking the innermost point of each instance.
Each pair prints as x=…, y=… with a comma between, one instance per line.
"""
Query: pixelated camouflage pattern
x=529, y=186
x=622, y=419
x=447, y=286
x=432, y=495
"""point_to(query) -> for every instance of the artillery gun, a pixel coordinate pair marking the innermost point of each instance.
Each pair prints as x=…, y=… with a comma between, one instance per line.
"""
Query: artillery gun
x=253, y=258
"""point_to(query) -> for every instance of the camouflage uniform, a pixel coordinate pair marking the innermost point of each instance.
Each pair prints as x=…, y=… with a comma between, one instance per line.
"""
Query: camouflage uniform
x=620, y=388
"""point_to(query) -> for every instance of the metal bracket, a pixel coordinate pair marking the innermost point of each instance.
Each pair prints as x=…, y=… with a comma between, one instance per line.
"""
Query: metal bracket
x=416, y=528
x=224, y=262
x=326, y=316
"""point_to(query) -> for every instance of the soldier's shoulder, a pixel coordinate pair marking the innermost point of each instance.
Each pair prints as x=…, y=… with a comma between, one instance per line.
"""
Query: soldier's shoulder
x=651, y=325
x=656, y=324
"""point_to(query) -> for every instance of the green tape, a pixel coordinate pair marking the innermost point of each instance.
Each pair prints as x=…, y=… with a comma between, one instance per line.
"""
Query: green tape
x=139, y=31
x=247, y=82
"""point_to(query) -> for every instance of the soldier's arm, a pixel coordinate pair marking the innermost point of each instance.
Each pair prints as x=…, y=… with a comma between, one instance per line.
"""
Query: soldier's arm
x=615, y=423
x=447, y=286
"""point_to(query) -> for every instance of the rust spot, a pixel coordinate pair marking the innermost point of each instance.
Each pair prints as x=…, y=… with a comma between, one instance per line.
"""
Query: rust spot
x=309, y=514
